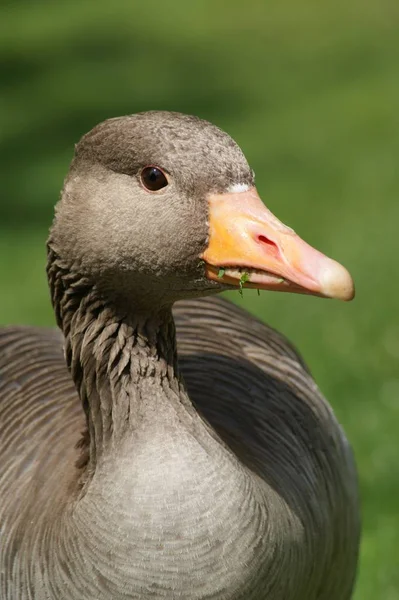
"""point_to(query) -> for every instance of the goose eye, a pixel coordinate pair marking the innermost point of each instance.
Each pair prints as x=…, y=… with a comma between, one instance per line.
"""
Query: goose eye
x=153, y=179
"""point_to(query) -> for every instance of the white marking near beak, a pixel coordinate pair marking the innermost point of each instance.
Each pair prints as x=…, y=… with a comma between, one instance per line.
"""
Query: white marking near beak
x=236, y=188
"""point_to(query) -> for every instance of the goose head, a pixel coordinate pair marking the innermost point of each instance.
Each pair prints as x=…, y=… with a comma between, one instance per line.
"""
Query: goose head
x=160, y=206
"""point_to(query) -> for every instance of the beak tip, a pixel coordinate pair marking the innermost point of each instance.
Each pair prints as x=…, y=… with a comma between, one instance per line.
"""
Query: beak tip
x=337, y=283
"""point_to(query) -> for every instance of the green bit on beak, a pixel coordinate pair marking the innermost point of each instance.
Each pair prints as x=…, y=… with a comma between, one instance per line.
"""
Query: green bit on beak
x=221, y=272
x=243, y=279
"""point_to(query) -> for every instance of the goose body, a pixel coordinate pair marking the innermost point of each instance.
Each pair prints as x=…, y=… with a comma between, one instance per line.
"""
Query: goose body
x=138, y=463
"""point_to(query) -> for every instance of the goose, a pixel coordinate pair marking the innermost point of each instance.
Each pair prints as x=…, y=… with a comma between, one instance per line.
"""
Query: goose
x=154, y=450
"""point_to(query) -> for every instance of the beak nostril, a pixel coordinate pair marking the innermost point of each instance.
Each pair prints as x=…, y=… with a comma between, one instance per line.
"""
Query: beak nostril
x=272, y=246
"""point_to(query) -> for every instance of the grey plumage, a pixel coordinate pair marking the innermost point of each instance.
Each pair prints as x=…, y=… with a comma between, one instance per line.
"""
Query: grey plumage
x=216, y=473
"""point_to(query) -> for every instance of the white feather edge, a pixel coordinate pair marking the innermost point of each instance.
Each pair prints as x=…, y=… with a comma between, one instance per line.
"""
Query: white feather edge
x=238, y=187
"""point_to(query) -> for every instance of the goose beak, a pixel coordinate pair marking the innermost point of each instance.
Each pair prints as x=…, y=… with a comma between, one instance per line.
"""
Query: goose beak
x=249, y=247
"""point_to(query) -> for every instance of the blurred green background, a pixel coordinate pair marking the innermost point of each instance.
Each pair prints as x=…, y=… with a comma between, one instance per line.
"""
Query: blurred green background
x=310, y=90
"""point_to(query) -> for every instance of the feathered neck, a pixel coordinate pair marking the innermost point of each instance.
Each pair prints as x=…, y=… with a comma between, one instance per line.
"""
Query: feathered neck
x=124, y=364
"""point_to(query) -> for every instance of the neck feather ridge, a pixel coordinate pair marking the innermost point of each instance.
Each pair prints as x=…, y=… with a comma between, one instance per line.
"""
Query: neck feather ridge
x=114, y=355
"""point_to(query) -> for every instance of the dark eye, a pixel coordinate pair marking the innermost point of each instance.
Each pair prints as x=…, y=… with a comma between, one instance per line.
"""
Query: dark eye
x=153, y=179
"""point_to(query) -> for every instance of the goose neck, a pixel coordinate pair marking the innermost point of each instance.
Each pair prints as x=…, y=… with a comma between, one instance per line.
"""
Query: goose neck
x=123, y=362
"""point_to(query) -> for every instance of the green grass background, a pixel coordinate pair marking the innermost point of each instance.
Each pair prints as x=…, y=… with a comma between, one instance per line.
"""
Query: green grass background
x=310, y=90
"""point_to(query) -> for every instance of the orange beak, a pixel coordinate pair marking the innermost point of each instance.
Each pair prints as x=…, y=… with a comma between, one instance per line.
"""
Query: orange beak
x=249, y=247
